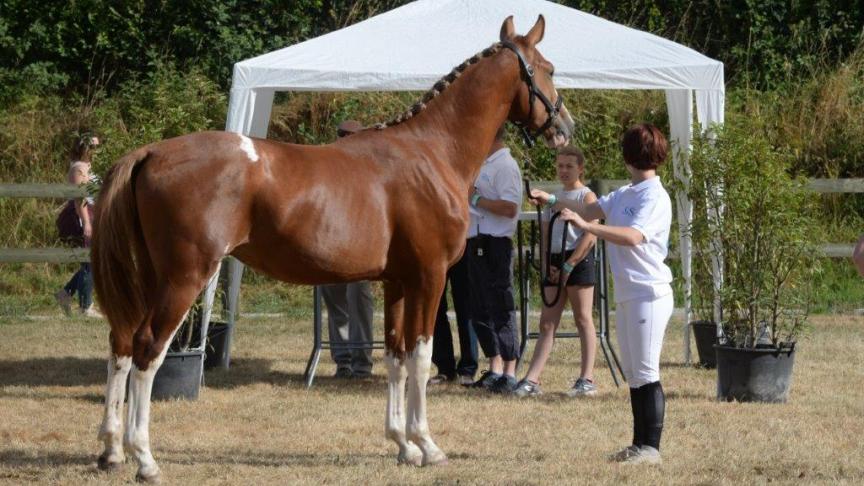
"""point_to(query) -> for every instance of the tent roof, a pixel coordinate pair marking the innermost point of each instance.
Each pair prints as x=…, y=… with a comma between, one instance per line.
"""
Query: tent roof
x=411, y=47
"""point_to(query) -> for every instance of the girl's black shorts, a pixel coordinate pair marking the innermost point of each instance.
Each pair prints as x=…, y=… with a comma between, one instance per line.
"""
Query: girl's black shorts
x=584, y=273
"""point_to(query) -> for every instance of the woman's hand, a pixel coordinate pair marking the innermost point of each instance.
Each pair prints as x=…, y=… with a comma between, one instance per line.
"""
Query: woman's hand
x=539, y=197
x=573, y=217
x=554, y=275
x=88, y=231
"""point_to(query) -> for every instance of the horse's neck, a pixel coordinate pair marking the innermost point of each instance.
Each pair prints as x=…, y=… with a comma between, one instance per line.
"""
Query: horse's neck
x=466, y=116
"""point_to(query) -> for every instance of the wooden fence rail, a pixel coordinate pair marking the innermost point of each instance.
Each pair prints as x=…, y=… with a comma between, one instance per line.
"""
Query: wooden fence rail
x=821, y=186
x=64, y=191
x=43, y=255
x=71, y=255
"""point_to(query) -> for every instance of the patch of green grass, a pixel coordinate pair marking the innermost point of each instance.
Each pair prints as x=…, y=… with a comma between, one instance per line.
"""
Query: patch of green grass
x=838, y=288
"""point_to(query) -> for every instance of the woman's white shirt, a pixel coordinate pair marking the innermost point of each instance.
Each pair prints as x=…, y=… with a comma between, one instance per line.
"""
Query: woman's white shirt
x=573, y=233
x=639, y=270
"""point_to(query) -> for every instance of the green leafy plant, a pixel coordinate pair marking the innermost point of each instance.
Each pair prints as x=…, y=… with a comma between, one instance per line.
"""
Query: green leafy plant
x=752, y=221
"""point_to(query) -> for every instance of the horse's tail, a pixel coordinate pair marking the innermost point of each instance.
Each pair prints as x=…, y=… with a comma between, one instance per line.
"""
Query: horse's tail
x=119, y=255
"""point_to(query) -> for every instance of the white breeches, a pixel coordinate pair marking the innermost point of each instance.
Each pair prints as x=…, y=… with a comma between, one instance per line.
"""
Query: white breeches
x=640, y=325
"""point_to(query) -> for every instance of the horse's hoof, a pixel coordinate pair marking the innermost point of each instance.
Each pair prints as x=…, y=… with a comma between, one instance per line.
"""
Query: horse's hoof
x=155, y=478
x=413, y=457
x=436, y=460
x=108, y=466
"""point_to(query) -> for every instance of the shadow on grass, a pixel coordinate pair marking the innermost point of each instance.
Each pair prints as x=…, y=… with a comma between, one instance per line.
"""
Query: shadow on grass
x=25, y=458
x=283, y=459
x=19, y=458
x=66, y=371
x=250, y=371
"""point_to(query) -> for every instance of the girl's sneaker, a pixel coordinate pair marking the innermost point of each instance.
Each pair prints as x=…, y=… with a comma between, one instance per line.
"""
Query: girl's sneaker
x=582, y=388
x=527, y=388
x=92, y=313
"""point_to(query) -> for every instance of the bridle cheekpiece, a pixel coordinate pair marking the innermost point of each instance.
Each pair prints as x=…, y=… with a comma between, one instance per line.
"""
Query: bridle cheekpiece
x=552, y=109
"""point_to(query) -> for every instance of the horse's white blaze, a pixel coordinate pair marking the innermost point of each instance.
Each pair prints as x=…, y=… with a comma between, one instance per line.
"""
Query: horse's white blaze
x=111, y=432
x=418, y=363
x=247, y=146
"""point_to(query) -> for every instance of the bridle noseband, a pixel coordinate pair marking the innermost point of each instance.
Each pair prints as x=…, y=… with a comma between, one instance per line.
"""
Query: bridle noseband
x=552, y=109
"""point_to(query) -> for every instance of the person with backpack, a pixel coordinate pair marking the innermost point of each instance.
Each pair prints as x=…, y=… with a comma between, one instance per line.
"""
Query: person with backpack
x=75, y=226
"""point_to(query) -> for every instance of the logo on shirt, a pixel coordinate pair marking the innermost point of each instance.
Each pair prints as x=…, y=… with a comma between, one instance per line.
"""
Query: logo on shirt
x=629, y=211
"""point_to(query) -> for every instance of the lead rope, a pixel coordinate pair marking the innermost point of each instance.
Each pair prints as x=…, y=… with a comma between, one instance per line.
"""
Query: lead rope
x=546, y=265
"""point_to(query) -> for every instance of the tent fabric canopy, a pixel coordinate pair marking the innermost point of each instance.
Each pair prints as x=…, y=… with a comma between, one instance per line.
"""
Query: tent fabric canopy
x=411, y=47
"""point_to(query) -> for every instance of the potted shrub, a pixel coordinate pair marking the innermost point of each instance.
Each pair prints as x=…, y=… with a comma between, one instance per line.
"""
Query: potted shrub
x=704, y=328
x=181, y=373
x=752, y=222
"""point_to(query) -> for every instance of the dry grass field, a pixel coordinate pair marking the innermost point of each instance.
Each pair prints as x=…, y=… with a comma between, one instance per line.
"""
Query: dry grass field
x=255, y=424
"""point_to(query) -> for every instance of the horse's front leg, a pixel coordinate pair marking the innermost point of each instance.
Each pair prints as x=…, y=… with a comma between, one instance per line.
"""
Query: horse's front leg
x=111, y=431
x=419, y=362
x=421, y=308
x=394, y=426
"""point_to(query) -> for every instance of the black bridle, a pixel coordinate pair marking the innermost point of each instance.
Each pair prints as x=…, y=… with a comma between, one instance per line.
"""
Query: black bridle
x=552, y=109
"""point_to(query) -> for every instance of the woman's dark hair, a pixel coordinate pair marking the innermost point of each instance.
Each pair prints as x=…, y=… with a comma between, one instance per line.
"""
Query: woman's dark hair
x=644, y=146
x=81, y=148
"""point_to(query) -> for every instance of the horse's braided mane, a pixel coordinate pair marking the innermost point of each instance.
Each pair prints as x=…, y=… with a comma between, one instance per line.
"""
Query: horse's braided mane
x=440, y=86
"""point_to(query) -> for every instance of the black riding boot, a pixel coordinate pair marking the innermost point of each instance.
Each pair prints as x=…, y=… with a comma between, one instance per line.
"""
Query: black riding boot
x=638, y=416
x=653, y=412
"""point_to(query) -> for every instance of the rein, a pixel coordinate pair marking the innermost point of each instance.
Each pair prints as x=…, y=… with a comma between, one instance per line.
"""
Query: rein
x=552, y=109
x=546, y=265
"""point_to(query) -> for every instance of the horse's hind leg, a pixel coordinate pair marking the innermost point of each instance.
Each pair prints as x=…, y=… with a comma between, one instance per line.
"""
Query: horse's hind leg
x=394, y=426
x=151, y=342
x=111, y=431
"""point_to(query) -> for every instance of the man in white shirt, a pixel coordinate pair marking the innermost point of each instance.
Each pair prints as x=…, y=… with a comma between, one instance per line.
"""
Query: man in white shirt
x=494, y=214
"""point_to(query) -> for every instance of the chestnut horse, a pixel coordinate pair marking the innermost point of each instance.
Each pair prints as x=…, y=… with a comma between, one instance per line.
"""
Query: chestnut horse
x=389, y=204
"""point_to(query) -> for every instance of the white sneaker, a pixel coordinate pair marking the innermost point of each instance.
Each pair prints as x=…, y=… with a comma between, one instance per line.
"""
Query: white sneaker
x=466, y=380
x=92, y=313
x=624, y=453
x=64, y=300
x=644, y=455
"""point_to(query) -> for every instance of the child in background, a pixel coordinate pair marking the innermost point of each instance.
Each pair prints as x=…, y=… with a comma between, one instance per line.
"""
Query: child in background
x=577, y=277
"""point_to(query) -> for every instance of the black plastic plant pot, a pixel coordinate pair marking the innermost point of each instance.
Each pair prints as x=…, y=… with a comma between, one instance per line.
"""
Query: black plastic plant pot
x=754, y=375
x=705, y=333
x=218, y=353
x=179, y=376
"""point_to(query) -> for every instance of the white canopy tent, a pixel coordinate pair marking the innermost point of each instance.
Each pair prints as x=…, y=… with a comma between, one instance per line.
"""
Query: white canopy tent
x=411, y=47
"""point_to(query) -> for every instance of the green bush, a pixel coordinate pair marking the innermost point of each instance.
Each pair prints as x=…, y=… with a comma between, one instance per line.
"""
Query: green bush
x=757, y=219
x=38, y=131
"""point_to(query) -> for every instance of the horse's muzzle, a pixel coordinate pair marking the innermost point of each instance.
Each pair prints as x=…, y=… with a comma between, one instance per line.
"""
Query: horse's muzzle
x=561, y=131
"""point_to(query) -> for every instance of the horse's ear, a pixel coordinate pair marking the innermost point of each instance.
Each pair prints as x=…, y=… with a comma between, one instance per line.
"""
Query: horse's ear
x=508, y=31
x=535, y=35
